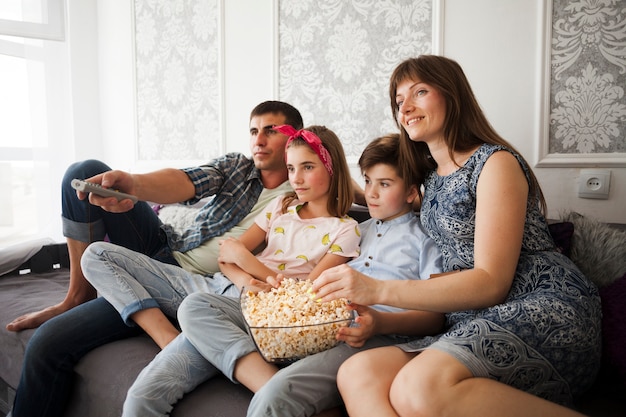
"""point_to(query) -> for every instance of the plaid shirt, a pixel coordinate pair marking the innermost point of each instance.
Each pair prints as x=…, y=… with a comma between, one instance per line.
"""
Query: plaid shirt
x=235, y=183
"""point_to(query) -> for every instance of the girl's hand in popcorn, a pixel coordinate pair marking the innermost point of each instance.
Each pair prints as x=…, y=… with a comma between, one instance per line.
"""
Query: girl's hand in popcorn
x=366, y=327
x=256, y=285
x=275, y=281
x=344, y=282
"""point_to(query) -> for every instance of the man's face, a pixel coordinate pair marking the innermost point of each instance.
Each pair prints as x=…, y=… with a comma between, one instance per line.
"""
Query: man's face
x=266, y=144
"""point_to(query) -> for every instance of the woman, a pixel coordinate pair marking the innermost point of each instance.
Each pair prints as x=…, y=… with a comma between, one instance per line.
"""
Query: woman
x=522, y=322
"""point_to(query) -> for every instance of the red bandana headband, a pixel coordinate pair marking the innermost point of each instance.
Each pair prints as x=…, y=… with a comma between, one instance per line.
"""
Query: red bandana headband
x=314, y=142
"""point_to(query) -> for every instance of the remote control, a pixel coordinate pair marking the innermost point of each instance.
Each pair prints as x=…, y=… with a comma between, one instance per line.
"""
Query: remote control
x=89, y=187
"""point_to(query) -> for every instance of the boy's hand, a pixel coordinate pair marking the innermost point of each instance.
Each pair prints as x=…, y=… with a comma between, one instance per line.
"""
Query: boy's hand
x=366, y=325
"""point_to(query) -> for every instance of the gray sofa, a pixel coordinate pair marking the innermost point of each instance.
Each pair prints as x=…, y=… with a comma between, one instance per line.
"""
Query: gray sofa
x=104, y=375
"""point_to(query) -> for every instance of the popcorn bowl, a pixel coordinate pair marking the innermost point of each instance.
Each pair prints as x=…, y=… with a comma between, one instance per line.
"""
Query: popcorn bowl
x=290, y=326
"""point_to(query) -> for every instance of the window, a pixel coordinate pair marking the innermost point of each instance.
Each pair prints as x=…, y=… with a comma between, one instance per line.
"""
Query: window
x=39, y=19
x=34, y=118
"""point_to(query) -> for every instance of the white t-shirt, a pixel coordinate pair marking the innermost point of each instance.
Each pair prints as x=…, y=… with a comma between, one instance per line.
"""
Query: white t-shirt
x=296, y=245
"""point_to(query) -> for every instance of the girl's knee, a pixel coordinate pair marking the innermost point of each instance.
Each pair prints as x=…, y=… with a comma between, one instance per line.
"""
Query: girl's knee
x=97, y=249
x=190, y=305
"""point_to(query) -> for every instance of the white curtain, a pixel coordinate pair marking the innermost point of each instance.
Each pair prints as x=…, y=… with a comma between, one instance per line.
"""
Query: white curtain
x=36, y=140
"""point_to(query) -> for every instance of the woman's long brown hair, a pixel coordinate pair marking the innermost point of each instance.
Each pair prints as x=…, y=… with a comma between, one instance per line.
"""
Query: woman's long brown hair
x=465, y=125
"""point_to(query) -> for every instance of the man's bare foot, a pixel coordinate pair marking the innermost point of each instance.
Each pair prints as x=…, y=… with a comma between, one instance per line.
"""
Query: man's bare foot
x=35, y=319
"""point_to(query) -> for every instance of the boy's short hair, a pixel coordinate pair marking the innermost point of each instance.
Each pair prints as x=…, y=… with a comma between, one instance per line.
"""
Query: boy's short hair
x=385, y=150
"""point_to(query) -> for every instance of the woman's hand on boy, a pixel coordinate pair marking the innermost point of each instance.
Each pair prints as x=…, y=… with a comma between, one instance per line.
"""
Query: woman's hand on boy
x=343, y=281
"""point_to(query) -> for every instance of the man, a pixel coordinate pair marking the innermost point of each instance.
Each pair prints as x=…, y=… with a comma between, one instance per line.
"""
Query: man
x=240, y=187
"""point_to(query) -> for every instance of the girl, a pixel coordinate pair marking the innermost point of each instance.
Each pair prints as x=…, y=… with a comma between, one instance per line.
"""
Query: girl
x=523, y=323
x=304, y=232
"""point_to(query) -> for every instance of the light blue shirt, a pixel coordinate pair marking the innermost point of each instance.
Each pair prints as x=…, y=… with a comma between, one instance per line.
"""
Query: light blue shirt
x=396, y=249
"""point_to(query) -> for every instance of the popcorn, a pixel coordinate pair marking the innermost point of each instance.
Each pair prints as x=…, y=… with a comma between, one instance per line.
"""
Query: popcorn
x=287, y=323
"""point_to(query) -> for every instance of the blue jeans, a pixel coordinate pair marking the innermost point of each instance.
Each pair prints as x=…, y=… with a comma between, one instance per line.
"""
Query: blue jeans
x=132, y=282
x=137, y=229
x=56, y=346
x=215, y=326
x=175, y=371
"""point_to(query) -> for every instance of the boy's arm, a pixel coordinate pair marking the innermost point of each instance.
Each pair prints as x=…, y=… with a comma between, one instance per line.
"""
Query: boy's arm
x=371, y=322
x=408, y=323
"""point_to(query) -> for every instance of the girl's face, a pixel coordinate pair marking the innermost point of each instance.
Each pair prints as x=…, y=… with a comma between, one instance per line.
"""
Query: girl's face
x=421, y=110
x=385, y=193
x=307, y=175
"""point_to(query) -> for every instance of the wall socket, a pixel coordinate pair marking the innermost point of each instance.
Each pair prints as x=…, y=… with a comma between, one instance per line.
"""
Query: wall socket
x=594, y=183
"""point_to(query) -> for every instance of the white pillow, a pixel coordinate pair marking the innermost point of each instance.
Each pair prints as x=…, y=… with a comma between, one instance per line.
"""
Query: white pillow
x=13, y=256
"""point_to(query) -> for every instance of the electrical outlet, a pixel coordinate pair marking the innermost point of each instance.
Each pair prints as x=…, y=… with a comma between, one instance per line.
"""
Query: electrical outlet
x=594, y=183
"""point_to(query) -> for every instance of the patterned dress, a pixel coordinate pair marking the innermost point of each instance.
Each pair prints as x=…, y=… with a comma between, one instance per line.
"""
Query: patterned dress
x=546, y=337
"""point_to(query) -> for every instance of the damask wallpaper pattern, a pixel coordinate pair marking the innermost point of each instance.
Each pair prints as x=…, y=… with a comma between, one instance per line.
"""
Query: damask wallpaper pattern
x=177, y=79
x=588, y=77
x=336, y=56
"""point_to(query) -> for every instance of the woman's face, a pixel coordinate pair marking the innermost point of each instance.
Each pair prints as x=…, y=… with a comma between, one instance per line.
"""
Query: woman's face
x=421, y=110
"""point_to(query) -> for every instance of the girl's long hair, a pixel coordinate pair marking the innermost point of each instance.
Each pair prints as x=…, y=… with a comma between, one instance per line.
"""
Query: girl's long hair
x=465, y=125
x=340, y=192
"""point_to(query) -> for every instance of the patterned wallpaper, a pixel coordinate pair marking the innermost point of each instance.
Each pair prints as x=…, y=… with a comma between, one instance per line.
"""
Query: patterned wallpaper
x=336, y=57
x=178, y=89
x=588, y=77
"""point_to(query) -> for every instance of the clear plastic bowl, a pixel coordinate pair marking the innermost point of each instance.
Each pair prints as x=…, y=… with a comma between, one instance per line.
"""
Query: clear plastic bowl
x=287, y=344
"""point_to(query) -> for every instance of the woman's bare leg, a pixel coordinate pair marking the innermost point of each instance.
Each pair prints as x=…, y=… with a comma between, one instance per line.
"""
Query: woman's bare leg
x=79, y=291
x=364, y=380
x=435, y=383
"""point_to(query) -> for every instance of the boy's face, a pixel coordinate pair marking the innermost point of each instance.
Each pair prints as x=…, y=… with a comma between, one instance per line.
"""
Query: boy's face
x=386, y=194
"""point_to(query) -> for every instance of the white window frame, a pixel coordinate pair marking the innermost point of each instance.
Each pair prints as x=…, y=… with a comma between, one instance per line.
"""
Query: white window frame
x=53, y=27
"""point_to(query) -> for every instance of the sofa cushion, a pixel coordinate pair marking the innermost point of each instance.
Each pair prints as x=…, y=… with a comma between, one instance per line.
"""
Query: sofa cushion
x=562, y=233
x=21, y=294
x=614, y=327
x=12, y=257
x=598, y=249
x=104, y=375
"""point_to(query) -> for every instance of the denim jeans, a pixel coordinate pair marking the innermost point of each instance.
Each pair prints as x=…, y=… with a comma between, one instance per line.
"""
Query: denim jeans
x=132, y=282
x=137, y=229
x=56, y=346
x=175, y=371
x=215, y=326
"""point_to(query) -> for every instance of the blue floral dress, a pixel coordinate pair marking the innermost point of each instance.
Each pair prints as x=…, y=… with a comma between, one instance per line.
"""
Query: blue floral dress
x=546, y=337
